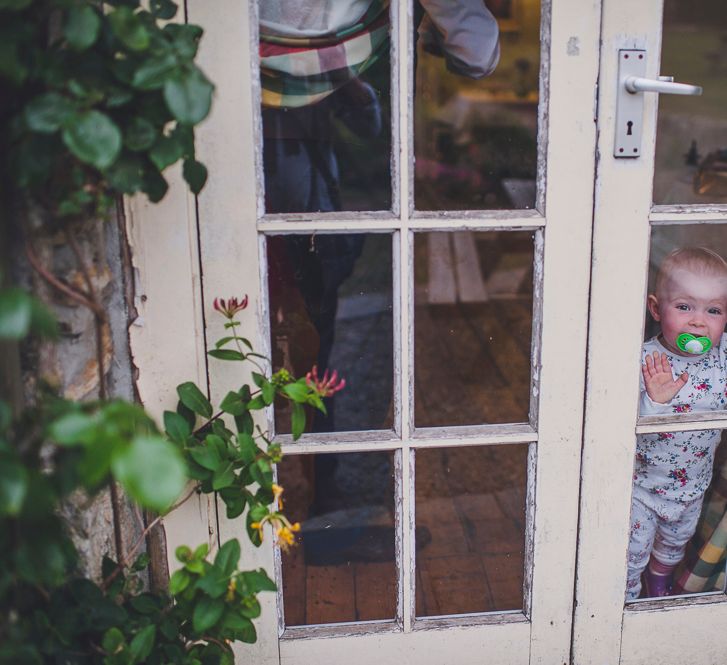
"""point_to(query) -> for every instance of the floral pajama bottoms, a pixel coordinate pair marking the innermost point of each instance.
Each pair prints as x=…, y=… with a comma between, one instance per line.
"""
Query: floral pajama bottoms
x=662, y=528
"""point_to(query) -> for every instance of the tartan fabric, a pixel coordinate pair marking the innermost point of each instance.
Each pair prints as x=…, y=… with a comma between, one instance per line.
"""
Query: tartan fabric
x=297, y=72
x=703, y=568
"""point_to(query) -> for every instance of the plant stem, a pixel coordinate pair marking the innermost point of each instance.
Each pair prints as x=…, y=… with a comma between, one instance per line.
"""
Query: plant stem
x=123, y=561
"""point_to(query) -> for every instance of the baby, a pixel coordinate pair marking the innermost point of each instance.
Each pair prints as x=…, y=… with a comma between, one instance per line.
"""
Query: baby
x=673, y=469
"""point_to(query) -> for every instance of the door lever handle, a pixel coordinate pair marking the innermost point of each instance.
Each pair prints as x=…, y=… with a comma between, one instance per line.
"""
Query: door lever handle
x=663, y=85
x=630, y=106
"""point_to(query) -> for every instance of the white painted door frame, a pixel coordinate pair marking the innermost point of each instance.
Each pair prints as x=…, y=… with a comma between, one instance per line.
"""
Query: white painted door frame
x=219, y=238
x=679, y=630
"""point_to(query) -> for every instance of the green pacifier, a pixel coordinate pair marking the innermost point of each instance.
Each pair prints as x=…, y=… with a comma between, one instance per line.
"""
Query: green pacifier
x=691, y=344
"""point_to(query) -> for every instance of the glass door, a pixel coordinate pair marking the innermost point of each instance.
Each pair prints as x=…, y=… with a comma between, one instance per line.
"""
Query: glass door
x=413, y=210
x=652, y=543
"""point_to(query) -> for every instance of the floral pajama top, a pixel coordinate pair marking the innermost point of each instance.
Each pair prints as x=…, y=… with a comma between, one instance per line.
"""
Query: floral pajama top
x=677, y=466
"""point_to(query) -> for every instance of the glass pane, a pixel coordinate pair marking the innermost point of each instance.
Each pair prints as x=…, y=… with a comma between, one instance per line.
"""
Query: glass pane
x=691, y=143
x=473, y=309
x=470, y=529
x=678, y=528
x=684, y=371
x=344, y=568
x=476, y=117
x=324, y=69
x=331, y=306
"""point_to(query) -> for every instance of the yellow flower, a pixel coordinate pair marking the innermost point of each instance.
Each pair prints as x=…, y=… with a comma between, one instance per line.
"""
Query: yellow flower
x=231, y=590
x=259, y=527
x=286, y=538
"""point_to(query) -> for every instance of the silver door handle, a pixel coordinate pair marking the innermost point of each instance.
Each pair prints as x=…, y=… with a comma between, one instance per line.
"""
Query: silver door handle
x=663, y=85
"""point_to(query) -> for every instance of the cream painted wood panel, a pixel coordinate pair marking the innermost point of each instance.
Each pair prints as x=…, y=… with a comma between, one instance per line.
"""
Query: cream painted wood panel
x=679, y=630
x=218, y=253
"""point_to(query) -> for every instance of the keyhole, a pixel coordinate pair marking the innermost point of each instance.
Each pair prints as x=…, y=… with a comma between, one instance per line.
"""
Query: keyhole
x=629, y=125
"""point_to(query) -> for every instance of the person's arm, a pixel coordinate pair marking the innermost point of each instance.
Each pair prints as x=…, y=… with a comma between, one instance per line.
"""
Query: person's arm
x=358, y=107
x=658, y=385
x=468, y=35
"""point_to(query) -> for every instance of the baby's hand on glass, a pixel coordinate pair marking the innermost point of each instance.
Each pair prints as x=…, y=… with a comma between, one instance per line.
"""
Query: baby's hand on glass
x=659, y=380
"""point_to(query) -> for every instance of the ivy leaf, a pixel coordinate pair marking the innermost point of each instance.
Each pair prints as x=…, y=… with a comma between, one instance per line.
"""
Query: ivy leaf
x=261, y=473
x=113, y=641
x=155, y=186
x=140, y=134
x=129, y=29
x=13, y=486
x=192, y=398
x=297, y=424
x=165, y=152
x=126, y=175
x=223, y=477
x=297, y=391
x=163, y=9
x=93, y=137
x=188, y=95
x=206, y=456
x=73, y=429
x=242, y=627
x=151, y=471
x=153, y=72
x=82, y=27
x=185, y=38
x=15, y=313
x=46, y=113
x=177, y=428
x=207, y=613
x=195, y=173
x=179, y=581
x=233, y=404
x=225, y=354
x=258, y=580
x=143, y=643
x=228, y=556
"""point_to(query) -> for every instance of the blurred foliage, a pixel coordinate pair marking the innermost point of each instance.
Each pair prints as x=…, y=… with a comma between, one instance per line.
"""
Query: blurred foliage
x=100, y=98
x=48, y=614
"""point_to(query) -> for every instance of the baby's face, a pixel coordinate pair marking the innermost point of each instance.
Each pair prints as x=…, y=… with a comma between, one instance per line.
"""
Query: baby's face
x=691, y=303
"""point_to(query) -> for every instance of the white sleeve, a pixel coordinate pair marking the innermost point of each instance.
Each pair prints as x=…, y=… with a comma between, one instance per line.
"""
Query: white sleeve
x=648, y=407
x=468, y=33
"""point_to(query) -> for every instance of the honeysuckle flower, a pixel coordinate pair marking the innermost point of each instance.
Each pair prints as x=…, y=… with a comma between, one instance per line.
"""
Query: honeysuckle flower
x=231, y=590
x=228, y=308
x=277, y=491
x=326, y=386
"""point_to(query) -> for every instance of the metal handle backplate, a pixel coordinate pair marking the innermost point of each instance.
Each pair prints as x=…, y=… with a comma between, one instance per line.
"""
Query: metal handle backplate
x=630, y=99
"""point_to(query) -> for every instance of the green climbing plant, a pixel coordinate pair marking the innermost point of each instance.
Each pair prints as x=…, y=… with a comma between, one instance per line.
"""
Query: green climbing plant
x=99, y=99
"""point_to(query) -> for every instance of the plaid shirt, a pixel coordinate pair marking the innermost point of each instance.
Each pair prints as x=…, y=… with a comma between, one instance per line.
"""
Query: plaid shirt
x=300, y=71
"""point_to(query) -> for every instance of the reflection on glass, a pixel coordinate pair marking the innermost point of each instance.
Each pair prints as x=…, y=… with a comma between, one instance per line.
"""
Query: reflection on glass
x=344, y=568
x=324, y=71
x=473, y=322
x=684, y=371
x=331, y=306
x=470, y=519
x=475, y=120
x=691, y=142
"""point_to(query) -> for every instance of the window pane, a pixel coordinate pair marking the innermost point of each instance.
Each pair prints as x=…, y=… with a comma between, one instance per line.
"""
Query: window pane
x=476, y=118
x=691, y=142
x=331, y=306
x=344, y=568
x=672, y=550
x=678, y=528
x=325, y=105
x=470, y=519
x=473, y=309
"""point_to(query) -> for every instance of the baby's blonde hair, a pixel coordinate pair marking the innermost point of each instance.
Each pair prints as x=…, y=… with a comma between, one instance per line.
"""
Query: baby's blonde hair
x=697, y=260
